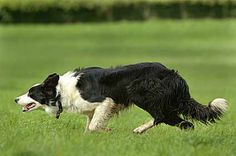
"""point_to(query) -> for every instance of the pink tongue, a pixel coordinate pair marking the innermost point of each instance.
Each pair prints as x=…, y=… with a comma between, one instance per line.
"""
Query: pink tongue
x=27, y=107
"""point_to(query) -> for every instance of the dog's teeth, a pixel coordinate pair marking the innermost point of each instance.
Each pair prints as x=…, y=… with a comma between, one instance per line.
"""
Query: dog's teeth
x=24, y=109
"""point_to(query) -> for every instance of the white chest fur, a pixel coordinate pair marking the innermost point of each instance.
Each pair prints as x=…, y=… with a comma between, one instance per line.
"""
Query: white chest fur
x=70, y=96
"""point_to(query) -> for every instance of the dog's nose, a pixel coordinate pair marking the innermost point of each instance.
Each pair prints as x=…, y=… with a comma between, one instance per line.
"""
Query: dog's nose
x=16, y=100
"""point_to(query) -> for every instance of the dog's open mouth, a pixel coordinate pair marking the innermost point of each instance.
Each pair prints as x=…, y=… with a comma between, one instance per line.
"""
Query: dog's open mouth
x=28, y=107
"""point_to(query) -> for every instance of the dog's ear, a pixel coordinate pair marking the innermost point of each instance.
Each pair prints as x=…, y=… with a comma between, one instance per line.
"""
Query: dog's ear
x=50, y=83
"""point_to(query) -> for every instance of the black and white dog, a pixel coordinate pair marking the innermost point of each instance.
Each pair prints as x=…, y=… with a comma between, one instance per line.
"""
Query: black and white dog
x=100, y=93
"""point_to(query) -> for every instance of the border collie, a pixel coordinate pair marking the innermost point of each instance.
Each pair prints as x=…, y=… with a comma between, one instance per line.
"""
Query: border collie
x=100, y=93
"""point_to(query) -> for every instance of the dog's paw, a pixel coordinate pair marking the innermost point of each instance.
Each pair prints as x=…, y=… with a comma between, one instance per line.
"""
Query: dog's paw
x=185, y=125
x=106, y=129
x=139, y=130
x=98, y=130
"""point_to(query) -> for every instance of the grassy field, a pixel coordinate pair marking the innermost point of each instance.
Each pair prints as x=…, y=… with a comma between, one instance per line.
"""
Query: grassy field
x=203, y=51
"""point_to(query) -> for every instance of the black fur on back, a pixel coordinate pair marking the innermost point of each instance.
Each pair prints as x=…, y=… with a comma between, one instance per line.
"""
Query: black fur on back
x=162, y=92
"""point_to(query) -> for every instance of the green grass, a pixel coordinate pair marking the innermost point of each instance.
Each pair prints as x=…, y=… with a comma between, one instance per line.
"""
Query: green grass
x=203, y=51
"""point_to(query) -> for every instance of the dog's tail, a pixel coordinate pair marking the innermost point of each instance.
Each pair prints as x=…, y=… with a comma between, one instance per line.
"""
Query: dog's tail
x=203, y=113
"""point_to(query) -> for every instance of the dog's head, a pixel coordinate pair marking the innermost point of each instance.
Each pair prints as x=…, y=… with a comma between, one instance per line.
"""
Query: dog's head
x=41, y=96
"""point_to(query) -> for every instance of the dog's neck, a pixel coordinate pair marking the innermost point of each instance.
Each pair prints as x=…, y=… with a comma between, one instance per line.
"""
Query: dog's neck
x=67, y=91
x=70, y=96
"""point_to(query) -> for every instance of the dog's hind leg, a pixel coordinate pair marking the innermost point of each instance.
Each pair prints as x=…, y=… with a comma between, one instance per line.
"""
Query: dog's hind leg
x=150, y=95
x=158, y=118
x=144, y=127
x=175, y=120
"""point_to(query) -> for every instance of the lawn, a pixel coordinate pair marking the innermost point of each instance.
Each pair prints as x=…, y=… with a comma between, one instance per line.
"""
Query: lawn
x=203, y=51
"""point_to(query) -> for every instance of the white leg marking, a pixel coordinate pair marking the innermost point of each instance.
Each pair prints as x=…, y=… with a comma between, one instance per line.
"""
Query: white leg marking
x=89, y=118
x=101, y=116
x=144, y=127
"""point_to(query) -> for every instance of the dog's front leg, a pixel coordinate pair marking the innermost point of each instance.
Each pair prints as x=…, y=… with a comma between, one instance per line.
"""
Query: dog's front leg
x=101, y=116
x=89, y=118
x=144, y=127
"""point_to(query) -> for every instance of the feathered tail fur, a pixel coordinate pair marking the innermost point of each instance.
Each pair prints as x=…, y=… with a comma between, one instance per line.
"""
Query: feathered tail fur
x=203, y=113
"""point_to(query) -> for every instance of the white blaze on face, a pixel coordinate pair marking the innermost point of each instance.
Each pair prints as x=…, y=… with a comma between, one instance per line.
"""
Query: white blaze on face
x=27, y=103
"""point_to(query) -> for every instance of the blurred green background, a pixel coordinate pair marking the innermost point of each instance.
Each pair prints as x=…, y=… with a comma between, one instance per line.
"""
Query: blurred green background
x=202, y=48
x=61, y=11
